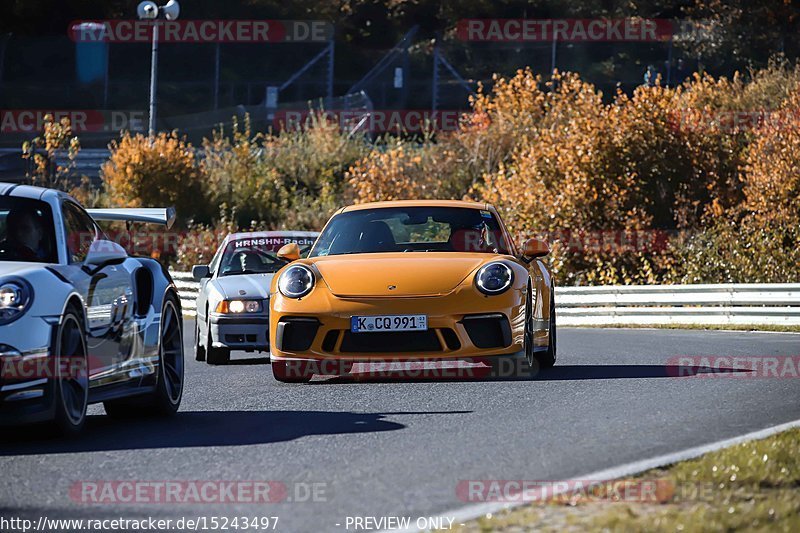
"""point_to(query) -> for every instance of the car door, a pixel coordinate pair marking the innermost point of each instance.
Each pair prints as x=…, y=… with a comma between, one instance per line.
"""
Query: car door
x=107, y=291
x=202, y=295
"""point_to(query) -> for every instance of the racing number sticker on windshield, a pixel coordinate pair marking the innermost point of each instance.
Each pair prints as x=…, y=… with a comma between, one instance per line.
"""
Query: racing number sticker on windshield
x=366, y=324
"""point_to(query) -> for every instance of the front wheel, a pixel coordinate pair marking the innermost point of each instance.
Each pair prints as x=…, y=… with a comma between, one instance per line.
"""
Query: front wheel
x=72, y=375
x=547, y=359
x=217, y=356
x=199, y=349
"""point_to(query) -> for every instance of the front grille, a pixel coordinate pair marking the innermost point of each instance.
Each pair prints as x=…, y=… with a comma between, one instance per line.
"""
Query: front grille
x=391, y=341
x=451, y=339
x=329, y=342
x=488, y=331
x=296, y=334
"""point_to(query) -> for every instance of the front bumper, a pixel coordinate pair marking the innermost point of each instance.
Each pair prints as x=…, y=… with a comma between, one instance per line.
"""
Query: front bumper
x=461, y=325
x=27, y=391
x=240, y=333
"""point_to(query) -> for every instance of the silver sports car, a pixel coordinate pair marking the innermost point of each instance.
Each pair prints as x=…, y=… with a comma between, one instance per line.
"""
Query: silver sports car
x=233, y=302
x=80, y=320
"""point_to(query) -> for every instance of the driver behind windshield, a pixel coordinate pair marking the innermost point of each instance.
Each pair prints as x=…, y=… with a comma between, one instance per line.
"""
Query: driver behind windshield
x=25, y=236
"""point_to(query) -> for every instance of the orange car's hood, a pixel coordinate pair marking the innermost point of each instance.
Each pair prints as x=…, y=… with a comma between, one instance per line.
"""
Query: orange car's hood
x=410, y=273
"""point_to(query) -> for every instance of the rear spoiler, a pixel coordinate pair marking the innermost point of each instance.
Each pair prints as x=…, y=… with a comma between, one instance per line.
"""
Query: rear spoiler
x=150, y=215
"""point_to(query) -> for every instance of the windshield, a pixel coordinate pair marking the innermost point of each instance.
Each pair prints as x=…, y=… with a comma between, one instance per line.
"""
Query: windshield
x=412, y=229
x=26, y=231
x=258, y=255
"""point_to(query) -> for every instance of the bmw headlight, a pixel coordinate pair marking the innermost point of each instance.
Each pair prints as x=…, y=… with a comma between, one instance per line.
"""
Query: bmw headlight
x=239, y=306
x=494, y=278
x=296, y=281
x=16, y=296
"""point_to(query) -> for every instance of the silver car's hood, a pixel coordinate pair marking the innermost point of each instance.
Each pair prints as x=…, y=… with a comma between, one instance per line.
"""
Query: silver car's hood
x=17, y=268
x=244, y=285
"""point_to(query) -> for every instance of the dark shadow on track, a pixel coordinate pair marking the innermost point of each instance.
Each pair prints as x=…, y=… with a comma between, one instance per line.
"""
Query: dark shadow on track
x=249, y=361
x=557, y=373
x=195, y=429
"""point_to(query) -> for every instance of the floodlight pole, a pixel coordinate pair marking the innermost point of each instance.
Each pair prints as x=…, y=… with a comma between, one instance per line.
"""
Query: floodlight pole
x=153, y=81
x=149, y=10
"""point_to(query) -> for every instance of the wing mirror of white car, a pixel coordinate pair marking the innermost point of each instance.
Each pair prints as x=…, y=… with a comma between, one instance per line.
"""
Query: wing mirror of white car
x=289, y=252
x=201, y=271
x=103, y=252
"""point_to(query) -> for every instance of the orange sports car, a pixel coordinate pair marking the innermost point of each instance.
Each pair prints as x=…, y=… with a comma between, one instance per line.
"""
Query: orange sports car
x=412, y=280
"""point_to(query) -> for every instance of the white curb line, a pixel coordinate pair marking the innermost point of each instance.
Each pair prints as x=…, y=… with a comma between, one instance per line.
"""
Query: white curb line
x=471, y=512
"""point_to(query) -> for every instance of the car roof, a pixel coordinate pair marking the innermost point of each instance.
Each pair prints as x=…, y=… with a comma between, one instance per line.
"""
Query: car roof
x=417, y=203
x=29, y=191
x=21, y=191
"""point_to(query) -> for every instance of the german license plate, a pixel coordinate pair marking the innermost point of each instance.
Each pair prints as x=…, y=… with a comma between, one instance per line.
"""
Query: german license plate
x=378, y=323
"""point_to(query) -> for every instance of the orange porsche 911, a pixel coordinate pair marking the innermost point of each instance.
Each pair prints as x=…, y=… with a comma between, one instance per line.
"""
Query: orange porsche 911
x=412, y=280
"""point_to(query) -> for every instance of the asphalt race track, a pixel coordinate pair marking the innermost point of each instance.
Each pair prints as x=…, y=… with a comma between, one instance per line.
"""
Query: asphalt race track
x=389, y=446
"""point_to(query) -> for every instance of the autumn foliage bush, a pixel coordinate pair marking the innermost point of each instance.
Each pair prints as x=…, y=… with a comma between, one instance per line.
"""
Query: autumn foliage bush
x=158, y=171
x=561, y=160
x=289, y=179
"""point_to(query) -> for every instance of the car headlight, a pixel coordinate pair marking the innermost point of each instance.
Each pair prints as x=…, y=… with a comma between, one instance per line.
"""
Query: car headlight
x=234, y=307
x=15, y=297
x=296, y=281
x=494, y=278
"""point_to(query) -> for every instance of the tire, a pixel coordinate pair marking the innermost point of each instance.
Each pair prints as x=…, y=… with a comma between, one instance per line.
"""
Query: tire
x=199, y=349
x=217, y=356
x=292, y=372
x=72, y=389
x=166, y=399
x=547, y=359
x=514, y=366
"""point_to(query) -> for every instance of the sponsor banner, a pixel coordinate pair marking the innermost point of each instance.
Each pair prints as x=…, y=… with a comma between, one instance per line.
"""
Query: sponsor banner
x=565, y=30
x=568, y=492
x=735, y=366
x=81, y=120
x=272, y=243
x=691, y=120
x=376, y=121
x=202, y=31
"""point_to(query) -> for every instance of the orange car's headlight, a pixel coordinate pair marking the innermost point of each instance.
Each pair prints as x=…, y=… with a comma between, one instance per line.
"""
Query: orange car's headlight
x=494, y=278
x=296, y=281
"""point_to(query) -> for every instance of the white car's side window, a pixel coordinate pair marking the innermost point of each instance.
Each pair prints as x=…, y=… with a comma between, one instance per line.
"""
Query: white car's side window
x=212, y=266
x=81, y=232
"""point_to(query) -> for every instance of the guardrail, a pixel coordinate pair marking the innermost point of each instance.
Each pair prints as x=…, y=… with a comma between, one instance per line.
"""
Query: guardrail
x=187, y=289
x=756, y=303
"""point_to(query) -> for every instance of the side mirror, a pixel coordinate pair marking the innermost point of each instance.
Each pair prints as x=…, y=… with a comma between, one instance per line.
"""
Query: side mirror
x=103, y=252
x=200, y=271
x=535, y=248
x=289, y=252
